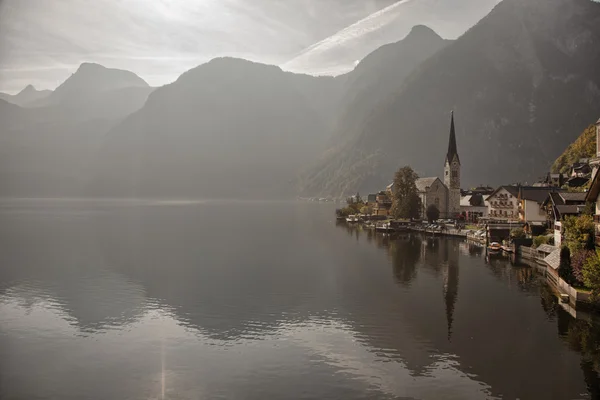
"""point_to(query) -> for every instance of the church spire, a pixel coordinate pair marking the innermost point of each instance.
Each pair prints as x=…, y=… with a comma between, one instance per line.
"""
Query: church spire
x=452, y=149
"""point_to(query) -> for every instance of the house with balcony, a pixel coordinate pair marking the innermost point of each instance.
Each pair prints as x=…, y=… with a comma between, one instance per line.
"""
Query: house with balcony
x=382, y=206
x=503, y=203
x=531, y=200
x=558, y=206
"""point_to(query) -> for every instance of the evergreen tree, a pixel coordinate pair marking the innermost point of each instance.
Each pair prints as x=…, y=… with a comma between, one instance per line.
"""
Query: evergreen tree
x=406, y=202
x=564, y=268
x=433, y=213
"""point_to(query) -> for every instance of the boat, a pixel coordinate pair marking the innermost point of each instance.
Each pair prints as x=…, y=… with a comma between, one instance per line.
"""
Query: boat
x=385, y=227
x=352, y=218
x=495, y=246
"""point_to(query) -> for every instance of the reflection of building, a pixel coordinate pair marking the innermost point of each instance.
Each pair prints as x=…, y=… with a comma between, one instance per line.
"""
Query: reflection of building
x=451, y=272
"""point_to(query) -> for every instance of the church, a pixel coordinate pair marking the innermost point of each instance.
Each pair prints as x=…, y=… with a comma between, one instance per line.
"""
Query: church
x=445, y=195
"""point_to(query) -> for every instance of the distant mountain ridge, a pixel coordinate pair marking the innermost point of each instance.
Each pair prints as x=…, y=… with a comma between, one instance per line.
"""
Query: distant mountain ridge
x=26, y=96
x=228, y=128
x=521, y=82
x=91, y=79
x=47, y=149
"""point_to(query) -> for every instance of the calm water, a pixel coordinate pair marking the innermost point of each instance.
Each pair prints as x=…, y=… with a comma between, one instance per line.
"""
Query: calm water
x=111, y=300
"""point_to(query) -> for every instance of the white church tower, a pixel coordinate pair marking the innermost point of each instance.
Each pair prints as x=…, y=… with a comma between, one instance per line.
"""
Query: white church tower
x=452, y=174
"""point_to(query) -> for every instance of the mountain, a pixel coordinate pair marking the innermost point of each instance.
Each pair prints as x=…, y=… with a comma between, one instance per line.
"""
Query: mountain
x=339, y=53
x=47, y=150
x=228, y=128
x=520, y=82
x=583, y=147
x=26, y=96
x=381, y=74
x=91, y=79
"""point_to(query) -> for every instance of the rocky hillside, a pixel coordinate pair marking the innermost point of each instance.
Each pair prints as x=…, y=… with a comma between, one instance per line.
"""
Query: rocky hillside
x=583, y=147
x=521, y=82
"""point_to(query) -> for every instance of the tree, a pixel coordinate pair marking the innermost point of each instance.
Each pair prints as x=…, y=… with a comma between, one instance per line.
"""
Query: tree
x=589, y=209
x=579, y=232
x=366, y=210
x=405, y=201
x=564, y=268
x=591, y=274
x=433, y=213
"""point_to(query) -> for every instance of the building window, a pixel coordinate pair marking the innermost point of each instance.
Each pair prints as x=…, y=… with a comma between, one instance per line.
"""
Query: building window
x=454, y=174
x=446, y=173
x=437, y=202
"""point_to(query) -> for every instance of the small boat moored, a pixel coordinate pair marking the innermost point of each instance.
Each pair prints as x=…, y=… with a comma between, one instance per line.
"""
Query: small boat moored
x=495, y=246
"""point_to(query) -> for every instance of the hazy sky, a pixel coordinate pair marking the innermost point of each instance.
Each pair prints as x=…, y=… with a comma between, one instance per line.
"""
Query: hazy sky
x=43, y=41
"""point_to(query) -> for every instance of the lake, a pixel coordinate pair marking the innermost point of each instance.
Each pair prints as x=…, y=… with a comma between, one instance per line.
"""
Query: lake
x=270, y=300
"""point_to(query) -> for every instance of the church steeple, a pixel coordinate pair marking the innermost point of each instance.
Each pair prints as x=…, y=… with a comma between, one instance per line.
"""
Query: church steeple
x=452, y=174
x=452, y=148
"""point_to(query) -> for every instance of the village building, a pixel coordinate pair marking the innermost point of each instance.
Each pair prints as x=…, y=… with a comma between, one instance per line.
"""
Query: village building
x=383, y=204
x=473, y=207
x=559, y=205
x=432, y=191
x=503, y=203
x=531, y=199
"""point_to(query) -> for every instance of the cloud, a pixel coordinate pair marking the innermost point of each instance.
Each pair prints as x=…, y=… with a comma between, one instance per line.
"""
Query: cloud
x=42, y=42
x=338, y=53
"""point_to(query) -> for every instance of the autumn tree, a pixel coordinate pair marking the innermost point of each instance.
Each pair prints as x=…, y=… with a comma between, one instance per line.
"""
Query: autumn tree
x=405, y=197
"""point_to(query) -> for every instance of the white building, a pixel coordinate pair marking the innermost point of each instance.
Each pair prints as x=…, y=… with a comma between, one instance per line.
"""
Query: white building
x=503, y=203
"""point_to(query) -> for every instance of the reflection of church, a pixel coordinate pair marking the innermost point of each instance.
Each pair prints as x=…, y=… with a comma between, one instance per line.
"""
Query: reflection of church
x=450, y=290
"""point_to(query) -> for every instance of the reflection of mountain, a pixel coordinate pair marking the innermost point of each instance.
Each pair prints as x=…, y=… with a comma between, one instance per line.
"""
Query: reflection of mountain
x=208, y=272
x=53, y=262
x=240, y=272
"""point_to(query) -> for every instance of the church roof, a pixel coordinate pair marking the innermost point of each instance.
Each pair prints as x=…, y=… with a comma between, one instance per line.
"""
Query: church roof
x=424, y=183
x=452, y=148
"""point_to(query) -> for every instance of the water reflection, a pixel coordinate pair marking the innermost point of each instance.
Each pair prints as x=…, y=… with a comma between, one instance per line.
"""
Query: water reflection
x=264, y=300
x=500, y=325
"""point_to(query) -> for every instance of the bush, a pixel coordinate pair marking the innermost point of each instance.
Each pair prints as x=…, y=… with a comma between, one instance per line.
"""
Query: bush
x=577, y=263
x=518, y=233
x=540, y=240
x=350, y=210
x=366, y=210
